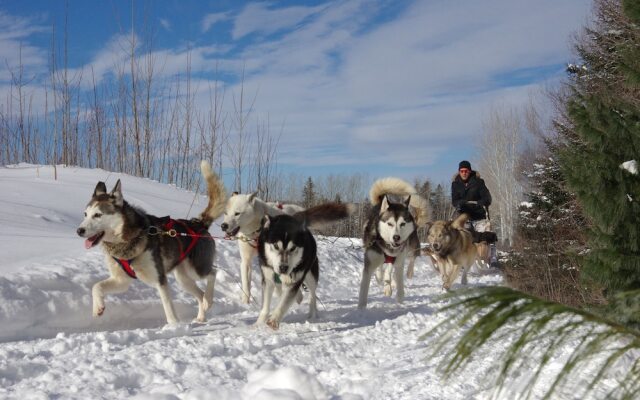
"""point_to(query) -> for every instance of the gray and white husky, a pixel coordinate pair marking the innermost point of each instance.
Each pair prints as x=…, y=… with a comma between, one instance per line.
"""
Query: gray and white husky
x=243, y=216
x=140, y=245
x=390, y=234
x=289, y=258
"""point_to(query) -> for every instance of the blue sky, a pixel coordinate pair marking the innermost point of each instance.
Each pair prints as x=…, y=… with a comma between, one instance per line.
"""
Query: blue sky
x=381, y=87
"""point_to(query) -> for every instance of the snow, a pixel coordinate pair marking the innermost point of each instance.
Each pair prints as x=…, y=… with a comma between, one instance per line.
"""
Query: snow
x=51, y=346
x=631, y=166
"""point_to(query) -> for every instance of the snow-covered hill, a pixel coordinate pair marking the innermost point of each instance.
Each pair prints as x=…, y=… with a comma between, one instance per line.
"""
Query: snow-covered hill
x=51, y=347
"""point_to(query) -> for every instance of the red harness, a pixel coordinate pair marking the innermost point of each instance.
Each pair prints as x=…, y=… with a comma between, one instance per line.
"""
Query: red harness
x=389, y=259
x=181, y=229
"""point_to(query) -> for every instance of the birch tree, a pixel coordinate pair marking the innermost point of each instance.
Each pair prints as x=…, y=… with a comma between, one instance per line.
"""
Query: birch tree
x=499, y=153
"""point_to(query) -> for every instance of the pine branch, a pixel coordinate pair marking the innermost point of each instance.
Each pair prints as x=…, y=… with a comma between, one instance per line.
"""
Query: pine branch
x=533, y=333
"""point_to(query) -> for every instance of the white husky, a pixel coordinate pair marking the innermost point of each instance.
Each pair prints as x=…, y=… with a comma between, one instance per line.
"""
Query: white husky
x=243, y=219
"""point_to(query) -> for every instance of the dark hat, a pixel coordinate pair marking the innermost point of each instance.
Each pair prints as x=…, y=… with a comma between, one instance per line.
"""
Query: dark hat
x=464, y=164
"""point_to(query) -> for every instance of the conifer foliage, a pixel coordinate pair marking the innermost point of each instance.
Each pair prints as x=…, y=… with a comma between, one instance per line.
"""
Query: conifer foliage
x=603, y=110
x=550, y=239
x=598, y=138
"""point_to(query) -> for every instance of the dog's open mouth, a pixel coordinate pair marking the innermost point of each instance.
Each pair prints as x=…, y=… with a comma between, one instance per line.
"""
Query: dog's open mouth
x=93, y=240
x=233, y=232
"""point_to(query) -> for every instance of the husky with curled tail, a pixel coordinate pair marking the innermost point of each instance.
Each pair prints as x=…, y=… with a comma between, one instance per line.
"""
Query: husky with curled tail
x=390, y=234
x=141, y=246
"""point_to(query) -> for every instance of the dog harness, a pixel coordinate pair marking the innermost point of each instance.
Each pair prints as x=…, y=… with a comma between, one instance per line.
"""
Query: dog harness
x=389, y=259
x=173, y=228
x=126, y=267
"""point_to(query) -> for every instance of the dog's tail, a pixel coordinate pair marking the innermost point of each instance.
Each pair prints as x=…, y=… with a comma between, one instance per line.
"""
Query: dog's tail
x=325, y=214
x=459, y=222
x=216, y=193
x=398, y=187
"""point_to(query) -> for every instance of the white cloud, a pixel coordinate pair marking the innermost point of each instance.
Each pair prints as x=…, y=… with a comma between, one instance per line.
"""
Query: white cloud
x=410, y=91
x=165, y=23
x=16, y=50
x=211, y=19
x=259, y=18
x=423, y=80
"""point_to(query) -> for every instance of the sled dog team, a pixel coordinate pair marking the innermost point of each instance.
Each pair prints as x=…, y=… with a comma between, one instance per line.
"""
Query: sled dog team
x=141, y=246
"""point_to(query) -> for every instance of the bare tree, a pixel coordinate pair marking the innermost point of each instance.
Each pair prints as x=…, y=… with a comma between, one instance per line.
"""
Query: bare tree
x=237, y=149
x=499, y=150
x=216, y=122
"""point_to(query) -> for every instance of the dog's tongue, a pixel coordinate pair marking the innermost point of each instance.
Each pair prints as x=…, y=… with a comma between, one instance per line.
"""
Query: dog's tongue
x=90, y=242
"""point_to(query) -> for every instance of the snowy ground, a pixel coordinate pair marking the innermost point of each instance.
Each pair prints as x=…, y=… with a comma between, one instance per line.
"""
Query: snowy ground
x=51, y=347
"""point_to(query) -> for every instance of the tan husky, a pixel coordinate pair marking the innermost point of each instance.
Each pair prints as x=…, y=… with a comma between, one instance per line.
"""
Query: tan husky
x=451, y=248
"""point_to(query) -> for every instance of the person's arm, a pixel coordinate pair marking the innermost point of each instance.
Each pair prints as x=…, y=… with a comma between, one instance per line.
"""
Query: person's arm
x=485, y=196
x=456, y=197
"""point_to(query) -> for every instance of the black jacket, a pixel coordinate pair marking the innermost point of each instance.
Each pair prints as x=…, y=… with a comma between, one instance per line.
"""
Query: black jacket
x=473, y=190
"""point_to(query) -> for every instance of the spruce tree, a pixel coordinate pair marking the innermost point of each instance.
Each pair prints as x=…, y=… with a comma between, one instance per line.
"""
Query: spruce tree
x=545, y=256
x=604, y=114
x=308, y=194
x=598, y=130
x=440, y=202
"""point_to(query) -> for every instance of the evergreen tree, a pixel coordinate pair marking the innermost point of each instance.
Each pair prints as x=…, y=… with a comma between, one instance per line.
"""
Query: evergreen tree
x=549, y=239
x=308, y=194
x=599, y=129
x=440, y=204
x=551, y=213
x=603, y=111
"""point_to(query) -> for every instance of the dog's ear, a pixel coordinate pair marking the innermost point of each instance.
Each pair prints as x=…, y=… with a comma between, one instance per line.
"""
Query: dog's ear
x=101, y=188
x=385, y=204
x=266, y=221
x=428, y=226
x=234, y=194
x=252, y=197
x=116, y=193
x=407, y=201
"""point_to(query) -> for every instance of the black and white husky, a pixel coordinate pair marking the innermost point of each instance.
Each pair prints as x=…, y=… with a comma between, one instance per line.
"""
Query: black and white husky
x=390, y=233
x=140, y=245
x=289, y=257
x=243, y=219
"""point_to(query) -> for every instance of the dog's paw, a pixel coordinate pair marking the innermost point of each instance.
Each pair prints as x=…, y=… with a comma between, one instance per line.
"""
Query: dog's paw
x=273, y=324
x=245, y=299
x=201, y=318
x=98, y=311
x=388, y=291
